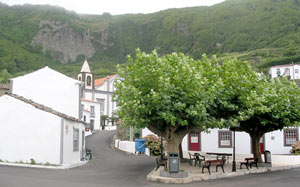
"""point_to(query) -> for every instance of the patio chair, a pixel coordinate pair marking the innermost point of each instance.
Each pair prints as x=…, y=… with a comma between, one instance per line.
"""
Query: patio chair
x=192, y=158
x=199, y=158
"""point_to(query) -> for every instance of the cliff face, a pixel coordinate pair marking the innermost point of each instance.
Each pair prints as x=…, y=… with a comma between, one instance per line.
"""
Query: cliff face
x=62, y=41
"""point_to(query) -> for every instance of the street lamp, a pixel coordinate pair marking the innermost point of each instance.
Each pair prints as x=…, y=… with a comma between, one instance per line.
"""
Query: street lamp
x=233, y=159
x=161, y=149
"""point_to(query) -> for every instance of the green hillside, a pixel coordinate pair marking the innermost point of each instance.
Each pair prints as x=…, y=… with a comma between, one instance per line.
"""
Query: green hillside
x=264, y=32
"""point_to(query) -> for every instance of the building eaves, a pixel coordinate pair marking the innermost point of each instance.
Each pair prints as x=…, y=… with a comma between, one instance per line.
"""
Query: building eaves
x=45, y=108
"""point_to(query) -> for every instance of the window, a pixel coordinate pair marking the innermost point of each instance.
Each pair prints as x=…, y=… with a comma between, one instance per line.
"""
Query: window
x=75, y=140
x=88, y=80
x=278, y=72
x=79, y=78
x=225, y=139
x=81, y=110
x=290, y=137
x=92, y=111
x=296, y=71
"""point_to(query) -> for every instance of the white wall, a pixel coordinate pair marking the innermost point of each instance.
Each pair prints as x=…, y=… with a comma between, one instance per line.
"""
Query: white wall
x=127, y=146
x=274, y=142
x=209, y=142
x=50, y=88
x=70, y=156
x=96, y=118
x=28, y=133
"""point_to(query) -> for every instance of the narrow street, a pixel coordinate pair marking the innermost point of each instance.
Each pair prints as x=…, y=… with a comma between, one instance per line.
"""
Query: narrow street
x=111, y=167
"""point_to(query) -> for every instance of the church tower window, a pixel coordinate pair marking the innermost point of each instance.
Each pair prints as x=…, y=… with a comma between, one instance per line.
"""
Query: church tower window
x=88, y=81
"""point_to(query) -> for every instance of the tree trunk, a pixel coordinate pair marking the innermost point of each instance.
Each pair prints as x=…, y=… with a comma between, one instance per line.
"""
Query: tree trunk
x=172, y=145
x=256, y=147
x=180, y=151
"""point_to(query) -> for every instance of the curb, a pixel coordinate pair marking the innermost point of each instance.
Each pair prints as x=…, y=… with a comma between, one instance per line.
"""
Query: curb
x=67, y=166
x=196, y=178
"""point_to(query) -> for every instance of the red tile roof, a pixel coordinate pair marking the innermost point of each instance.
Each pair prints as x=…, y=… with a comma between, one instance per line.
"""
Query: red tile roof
x=100, y=81
x=285, y=65
x=87, y=100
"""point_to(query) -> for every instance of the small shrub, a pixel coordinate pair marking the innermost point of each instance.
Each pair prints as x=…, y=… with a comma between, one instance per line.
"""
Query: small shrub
x=295, y=149
x=32, y=161
x=1, y=160
x=153, y=143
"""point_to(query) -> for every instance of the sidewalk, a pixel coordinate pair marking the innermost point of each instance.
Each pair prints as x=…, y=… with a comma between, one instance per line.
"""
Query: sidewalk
x=65, y=166
x=281, y=162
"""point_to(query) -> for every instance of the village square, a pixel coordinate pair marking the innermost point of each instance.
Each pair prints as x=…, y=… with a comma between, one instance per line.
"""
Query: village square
x=64, y=130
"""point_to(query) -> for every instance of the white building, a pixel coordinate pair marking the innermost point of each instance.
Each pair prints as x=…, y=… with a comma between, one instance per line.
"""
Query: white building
x=97, y=96
x=221, y=141
x=50, y=88
x=31, y=132
x=288, y=70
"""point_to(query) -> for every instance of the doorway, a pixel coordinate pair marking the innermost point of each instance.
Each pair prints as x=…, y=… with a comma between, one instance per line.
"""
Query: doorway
x=194, y=142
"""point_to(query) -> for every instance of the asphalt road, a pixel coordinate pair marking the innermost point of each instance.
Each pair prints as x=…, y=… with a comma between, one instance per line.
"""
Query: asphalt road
x=113, y=168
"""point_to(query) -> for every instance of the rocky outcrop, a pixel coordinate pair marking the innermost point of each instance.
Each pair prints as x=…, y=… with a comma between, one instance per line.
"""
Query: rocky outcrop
x=181, y=27
x=62, y=41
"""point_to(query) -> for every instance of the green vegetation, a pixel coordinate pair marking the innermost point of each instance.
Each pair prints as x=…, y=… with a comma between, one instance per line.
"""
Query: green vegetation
x=171, y=95
x=264, y=32
x=174, y=95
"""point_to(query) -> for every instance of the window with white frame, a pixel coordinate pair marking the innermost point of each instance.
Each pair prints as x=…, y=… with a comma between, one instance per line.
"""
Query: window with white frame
x=92, y=111
x=278, y=72
x=75, y=140
x=296, y=71
x=290, y=137
x=225, y=139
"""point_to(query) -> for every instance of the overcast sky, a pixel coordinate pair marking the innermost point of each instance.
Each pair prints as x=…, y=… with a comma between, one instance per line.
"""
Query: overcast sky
x=117, y=6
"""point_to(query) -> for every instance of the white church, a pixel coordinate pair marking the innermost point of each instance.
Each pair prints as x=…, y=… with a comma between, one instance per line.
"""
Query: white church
x=96, y=98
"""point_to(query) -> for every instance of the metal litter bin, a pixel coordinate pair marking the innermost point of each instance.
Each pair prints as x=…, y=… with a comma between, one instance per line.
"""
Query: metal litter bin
x=140, y=145
x=173, y=163
x=268, y=157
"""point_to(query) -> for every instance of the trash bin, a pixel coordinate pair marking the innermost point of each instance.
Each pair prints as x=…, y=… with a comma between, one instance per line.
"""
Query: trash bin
x=173, y=163
x=140, y=145
x=268, y=157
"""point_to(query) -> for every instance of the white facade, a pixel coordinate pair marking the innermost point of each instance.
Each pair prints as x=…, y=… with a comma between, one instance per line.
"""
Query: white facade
x=291, y=70
x=29, y=131
x=50, y=88
x=274, y=141
x=91, y=111
x=98, y=93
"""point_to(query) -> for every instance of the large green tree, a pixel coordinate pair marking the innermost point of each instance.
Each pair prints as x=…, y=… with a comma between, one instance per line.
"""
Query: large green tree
x=257, y=103
x=170, y=95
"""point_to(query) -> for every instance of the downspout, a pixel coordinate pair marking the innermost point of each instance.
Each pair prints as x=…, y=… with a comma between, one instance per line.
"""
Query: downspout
x=62, y=141
x=11, y=82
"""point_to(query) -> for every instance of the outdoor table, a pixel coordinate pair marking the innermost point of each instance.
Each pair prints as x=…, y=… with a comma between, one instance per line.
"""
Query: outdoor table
x=221, y=154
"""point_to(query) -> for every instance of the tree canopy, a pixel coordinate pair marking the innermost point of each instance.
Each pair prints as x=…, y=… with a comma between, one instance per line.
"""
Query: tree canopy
x=259, y=104
x=171, y=95
x=174, y=95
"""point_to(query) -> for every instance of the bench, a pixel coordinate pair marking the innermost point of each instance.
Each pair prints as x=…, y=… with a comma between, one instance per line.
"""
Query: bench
x=219, y=163
x=161, y=162
x=249, y=162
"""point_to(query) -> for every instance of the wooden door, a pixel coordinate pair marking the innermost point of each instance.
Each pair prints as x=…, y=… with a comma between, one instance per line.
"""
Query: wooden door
x=262, y=145
x=194, y=142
